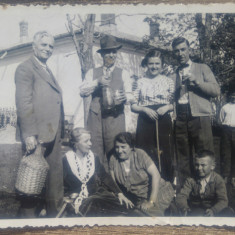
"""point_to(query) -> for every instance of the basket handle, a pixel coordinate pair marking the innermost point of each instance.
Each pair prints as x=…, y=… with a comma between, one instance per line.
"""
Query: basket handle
x=38, y=150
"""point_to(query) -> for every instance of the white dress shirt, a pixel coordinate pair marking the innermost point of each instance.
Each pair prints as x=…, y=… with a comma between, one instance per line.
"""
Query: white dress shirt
x=185, y=71
x=227, y=115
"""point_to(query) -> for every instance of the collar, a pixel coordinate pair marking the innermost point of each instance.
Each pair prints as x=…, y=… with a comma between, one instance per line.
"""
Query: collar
x=187, y=65
x=110, y=68
x=42, y=64
x=207, y=179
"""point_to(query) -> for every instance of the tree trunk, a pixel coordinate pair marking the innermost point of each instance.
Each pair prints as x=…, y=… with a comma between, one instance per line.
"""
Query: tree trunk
x=201, y=32
x=207, y=49
x=88, y=43
x=204, y=34
x=84, y=51
x=87, y=57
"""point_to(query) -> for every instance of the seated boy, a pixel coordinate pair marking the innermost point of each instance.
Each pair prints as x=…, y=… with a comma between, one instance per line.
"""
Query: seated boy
x=205, y=194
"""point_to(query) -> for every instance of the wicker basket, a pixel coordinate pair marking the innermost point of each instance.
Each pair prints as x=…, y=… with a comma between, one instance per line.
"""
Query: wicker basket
x=32, y=173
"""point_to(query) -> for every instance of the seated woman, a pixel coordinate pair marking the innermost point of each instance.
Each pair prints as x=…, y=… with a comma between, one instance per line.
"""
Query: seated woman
x=89, y=189
x=138, y=178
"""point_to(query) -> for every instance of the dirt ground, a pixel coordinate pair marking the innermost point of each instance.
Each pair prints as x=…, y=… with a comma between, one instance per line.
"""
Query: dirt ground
x=10, y=155
x=8, y=206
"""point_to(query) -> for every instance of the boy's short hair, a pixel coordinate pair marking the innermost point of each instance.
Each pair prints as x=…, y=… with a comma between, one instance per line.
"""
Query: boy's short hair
x=205, y=153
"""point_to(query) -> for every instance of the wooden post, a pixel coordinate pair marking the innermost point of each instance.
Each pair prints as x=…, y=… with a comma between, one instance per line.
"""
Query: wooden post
x=75, y=41
x=84, y=52
x=88, y=43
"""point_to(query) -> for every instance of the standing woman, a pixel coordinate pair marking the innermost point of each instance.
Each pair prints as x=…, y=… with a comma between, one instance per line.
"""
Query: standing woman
x=154, y=98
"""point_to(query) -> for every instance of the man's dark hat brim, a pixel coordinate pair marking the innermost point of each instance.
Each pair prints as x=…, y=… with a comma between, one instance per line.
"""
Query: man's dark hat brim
x=110, y=48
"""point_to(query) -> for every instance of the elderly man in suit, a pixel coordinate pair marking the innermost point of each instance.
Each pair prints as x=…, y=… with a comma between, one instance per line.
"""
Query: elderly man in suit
x=40, y=118
x=195, y=85
x=109, y=87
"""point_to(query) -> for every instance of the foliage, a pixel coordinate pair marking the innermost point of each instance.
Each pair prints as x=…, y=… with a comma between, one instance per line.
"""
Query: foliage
x=223, y=50
x=172, y=26
x=175, y=25
x=210, y=35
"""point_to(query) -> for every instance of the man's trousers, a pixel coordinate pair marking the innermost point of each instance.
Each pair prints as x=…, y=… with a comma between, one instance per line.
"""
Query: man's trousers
x=192, y=134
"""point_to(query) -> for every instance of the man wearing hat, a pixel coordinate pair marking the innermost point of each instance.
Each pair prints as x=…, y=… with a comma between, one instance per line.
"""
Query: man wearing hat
x=107, y=87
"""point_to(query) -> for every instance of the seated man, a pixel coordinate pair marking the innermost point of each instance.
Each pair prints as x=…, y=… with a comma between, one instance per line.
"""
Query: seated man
x=205, y=194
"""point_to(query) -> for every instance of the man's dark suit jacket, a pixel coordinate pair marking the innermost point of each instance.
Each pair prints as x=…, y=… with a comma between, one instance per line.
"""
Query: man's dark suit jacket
x=38, y=101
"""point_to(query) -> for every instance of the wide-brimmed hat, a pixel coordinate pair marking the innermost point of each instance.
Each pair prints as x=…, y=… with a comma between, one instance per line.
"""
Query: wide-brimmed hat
x=108, y=42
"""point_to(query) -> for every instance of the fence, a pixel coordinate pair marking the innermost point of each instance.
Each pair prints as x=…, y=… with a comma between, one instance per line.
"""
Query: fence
x=7, y=117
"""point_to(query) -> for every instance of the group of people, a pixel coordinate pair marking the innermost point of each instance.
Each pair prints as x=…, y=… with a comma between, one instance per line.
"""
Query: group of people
x=108, y=172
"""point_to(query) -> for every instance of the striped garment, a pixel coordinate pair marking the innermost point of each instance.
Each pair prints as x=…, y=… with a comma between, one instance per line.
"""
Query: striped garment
x=158, y=90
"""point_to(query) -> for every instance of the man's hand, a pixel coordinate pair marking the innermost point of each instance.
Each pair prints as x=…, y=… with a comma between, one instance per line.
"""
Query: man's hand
x=146, y=205
x=191, y=80
x=125, y=200
x=103, y=81
x=150, y=113
x=87, y=90
x=119, y=97
x=31, y=144
x=134, y=85
x=209, y=212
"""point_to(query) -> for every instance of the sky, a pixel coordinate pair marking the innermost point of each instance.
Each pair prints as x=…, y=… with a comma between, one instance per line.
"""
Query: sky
x=129, y=20
x=53, y=19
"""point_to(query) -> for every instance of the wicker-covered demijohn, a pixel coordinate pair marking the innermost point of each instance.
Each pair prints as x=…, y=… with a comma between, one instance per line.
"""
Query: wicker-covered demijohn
x=32, y=173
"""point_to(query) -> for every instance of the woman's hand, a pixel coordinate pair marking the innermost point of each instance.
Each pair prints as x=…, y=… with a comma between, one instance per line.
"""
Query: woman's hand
x=124, y=199
x=164, y=109
x=209, y=212
x=146, y=205
x=150, y=113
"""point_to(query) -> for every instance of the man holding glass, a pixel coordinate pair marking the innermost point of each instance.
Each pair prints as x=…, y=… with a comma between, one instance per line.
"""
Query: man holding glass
x=195, y=85
x=108, y=87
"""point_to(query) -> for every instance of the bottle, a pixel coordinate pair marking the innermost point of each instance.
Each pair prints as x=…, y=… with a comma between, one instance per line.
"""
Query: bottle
x=107, y=94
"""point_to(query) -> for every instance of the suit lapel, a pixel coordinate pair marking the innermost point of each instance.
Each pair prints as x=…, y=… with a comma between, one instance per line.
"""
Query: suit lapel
x=54, y=80
x=48, y=77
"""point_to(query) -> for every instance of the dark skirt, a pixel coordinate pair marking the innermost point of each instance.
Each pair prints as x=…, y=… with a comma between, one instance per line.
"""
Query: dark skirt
x=146, y=140
x=101, y=204
x=105, y=204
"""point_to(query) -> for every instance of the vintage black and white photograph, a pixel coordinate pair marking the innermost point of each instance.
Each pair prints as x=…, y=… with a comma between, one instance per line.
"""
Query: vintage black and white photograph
x=117, y=114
